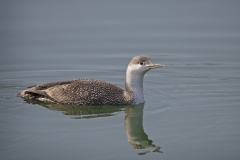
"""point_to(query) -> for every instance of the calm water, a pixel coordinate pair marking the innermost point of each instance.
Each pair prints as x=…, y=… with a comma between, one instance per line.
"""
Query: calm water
x=192, y=108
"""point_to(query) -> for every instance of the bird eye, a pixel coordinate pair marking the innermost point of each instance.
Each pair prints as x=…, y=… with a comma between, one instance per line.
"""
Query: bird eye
x=141, y=63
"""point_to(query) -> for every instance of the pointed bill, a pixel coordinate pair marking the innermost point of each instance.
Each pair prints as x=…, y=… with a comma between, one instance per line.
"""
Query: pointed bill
x=151, y=66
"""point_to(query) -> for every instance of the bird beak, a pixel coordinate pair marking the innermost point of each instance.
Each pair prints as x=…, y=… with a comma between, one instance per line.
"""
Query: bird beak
x=151, y=66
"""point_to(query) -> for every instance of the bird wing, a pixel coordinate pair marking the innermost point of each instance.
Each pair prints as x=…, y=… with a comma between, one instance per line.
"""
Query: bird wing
x=83, y=91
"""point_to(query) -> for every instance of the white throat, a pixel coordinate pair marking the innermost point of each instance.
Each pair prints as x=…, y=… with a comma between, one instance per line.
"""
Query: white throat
x=134, y=83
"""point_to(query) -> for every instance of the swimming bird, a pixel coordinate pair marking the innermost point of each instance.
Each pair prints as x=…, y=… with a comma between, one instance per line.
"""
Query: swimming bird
x=95, y=92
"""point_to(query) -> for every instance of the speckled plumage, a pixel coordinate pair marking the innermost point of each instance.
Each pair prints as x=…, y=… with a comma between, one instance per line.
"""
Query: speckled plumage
x=79, y=92
x=94, y=92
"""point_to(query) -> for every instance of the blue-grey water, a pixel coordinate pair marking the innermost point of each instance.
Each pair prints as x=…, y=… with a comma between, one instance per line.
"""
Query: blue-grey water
x=192, y=108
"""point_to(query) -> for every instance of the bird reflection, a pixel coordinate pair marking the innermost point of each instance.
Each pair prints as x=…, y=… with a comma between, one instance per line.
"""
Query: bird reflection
x=78, y=111
x=133, y=121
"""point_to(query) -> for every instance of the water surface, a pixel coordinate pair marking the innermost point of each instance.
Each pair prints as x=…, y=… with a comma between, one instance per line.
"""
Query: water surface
x=192, y=106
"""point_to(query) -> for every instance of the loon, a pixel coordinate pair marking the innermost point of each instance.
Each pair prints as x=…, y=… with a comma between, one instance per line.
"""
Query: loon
x=95, y=92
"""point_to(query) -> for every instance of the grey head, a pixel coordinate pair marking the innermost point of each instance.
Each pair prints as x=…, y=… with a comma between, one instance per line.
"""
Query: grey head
x=139, y=65
x=136, y=70
x=143, y=64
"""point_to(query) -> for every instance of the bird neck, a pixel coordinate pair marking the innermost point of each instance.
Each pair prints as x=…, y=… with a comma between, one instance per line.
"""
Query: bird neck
x=134, y=85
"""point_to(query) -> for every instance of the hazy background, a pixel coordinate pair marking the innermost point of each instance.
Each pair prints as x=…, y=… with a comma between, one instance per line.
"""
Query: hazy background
x=59, y=28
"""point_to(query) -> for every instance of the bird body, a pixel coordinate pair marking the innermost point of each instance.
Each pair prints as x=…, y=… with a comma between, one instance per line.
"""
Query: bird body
x=95, y=92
